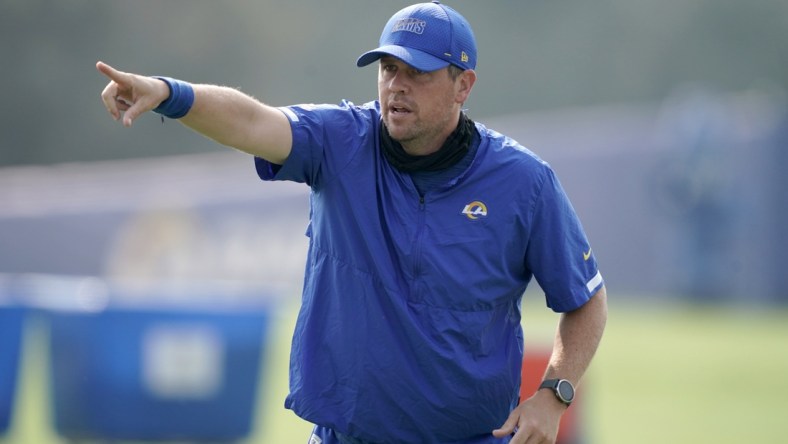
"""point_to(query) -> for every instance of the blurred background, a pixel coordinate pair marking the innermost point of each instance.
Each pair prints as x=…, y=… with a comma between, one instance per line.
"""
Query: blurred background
x=667, y=123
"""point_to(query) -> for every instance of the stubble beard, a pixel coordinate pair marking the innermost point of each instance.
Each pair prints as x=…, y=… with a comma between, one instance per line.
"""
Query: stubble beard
x=403, y=134
x=415, y=139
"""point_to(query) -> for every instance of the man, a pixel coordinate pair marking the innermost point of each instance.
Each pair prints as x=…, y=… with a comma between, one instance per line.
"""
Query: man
x=425, y=229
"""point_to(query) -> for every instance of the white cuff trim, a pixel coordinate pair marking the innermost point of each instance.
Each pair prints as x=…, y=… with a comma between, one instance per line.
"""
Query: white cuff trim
x=595, y=282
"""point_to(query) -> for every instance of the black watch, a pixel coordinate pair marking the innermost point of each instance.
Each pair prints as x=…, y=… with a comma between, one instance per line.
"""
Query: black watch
x=563, y=389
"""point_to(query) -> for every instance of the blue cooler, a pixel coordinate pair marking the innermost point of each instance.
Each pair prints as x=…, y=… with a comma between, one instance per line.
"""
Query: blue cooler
x=152, y=373
x=11, y=321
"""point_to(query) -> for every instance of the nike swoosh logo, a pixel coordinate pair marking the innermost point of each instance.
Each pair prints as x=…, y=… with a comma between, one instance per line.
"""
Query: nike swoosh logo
x=587, y=255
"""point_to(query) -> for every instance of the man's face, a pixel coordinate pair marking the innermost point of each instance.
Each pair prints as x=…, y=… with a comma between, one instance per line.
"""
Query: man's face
x=420, y=109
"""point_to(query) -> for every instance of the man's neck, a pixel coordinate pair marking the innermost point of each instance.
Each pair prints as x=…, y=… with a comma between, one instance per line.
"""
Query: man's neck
x=451, y=150
x=423, y=147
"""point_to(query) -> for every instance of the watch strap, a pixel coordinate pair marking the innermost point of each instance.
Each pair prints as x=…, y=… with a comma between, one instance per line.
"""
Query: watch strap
x=553, y=384
x=549, y=383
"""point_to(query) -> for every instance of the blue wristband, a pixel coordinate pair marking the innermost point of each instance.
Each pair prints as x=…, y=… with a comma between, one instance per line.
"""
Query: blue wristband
x=180, y=100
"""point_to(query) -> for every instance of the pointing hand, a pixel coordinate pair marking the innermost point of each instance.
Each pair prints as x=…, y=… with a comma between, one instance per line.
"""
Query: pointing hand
x=130, y=94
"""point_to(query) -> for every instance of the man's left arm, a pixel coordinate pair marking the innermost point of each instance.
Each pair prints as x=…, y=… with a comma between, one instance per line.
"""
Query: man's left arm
x=536, y=419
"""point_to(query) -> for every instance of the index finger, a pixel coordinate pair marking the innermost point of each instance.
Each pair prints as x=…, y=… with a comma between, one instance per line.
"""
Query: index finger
x=112, y=73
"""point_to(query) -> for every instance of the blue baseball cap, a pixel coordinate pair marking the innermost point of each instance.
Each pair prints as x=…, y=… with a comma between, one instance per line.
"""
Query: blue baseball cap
x=427, y=36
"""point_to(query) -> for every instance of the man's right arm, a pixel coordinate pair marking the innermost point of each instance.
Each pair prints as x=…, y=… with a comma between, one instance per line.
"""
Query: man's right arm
x=223, y=114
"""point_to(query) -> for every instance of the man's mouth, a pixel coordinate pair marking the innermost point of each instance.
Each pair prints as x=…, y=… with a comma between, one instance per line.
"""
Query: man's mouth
x=399, y=110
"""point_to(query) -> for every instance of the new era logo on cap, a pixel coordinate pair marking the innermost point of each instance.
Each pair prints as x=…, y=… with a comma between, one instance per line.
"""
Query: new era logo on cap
x=427, y=36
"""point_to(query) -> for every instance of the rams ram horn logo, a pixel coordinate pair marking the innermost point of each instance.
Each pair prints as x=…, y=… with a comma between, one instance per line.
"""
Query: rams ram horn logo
x=475, y=209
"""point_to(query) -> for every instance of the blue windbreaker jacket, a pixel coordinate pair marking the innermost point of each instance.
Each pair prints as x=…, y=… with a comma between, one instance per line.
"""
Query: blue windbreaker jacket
x=409, y=328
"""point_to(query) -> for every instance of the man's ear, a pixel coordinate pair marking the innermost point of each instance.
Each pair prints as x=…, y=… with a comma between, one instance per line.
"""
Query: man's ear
x=465, y=84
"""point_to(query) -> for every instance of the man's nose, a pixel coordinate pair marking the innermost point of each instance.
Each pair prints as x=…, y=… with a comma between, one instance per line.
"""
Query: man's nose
x=398, y=82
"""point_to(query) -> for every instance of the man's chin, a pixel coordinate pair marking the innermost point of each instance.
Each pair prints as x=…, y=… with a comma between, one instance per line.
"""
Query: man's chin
x=398, y=133
x=403, y=140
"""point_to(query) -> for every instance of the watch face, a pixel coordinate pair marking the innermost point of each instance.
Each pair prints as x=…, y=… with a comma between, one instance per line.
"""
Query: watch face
x=566, y=391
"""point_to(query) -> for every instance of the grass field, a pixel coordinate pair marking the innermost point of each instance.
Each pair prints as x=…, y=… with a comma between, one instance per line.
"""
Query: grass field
x=665, y=373
x=691, y=375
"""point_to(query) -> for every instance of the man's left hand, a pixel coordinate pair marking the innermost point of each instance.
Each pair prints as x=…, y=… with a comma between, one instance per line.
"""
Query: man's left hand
x=534, y=421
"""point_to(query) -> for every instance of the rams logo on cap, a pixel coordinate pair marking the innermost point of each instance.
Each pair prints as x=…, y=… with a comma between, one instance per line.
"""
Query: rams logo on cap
x=413, y=25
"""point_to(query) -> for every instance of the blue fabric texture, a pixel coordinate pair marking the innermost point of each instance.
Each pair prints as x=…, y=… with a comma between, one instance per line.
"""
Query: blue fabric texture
x=409, y=328
x=180, y=100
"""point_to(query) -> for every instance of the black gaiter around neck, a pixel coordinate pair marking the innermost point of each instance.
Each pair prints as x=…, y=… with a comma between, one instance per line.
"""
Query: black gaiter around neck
x=453, y=150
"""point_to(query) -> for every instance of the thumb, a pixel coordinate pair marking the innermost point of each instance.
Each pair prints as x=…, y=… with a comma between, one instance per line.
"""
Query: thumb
x=508, y=427
x=135, y=110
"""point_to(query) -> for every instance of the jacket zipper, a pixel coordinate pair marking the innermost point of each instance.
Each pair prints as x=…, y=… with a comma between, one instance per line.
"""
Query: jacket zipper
x=418, y=244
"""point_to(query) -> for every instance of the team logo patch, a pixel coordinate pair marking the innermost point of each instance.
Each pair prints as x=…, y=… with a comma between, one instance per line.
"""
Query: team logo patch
x=475, y=209
x=413, y=25
x=314, y=439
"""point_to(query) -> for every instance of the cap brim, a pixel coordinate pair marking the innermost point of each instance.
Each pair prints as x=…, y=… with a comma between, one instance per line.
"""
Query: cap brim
x=413, y=57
